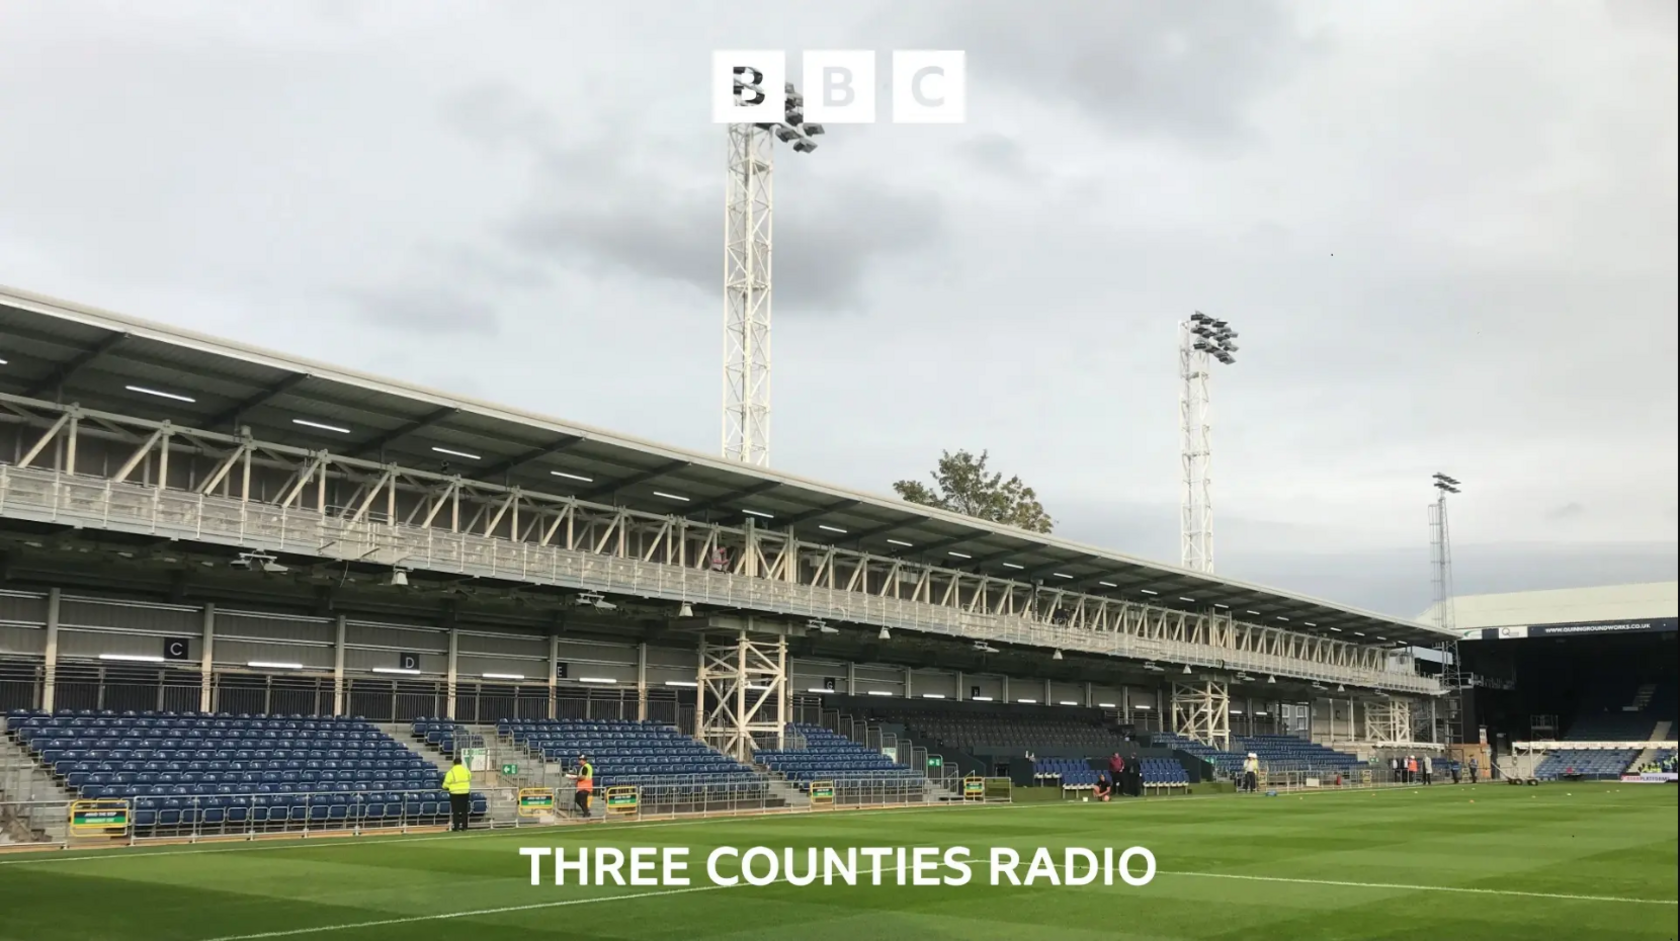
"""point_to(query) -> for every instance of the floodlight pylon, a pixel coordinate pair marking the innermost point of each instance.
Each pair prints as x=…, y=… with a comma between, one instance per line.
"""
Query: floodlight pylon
x=747, y=284
x=1202, y=341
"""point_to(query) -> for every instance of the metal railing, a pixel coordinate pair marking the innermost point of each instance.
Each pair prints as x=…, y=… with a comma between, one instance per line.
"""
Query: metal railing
x=52, y=497
x=304, y=813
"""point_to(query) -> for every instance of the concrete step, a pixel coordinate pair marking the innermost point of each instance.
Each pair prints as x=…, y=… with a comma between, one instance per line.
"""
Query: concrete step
x=787, y=792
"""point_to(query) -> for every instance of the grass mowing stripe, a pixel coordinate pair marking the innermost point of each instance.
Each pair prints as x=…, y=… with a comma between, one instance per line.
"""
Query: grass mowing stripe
x=1428, y=888
x=629, y=896
x=321, y=929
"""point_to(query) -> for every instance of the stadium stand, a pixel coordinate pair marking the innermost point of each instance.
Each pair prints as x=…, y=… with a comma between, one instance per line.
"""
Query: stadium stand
x=1067, y=772
x=830, y=756
x=668, y=766
x=1289, y=753
x=1224, y=762
x=1621, y=710
x=446, y=736
x=207, y=770
x=1164, y=773
x=1588, y=763
x=1000, y=734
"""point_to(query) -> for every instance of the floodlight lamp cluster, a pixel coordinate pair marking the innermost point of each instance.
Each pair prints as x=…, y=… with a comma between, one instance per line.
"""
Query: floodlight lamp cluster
x=1213, y=337
x=1445, y=484
x=792, y=129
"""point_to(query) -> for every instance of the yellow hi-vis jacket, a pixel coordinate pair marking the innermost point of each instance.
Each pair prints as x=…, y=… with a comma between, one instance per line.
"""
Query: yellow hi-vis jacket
x=458, y=780
x=586, y=778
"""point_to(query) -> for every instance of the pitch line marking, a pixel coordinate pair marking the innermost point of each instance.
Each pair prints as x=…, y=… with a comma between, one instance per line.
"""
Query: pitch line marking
x=1469, y=890
x=536, y=906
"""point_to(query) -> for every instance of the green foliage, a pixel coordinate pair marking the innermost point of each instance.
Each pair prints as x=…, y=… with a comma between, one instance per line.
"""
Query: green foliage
x=963, y=485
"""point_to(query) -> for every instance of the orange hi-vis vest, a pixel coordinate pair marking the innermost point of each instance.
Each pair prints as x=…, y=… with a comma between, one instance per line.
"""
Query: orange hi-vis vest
x=586, y=778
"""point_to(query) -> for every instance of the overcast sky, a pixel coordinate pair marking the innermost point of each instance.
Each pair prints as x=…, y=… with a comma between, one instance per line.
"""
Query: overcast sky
x=1445, y=231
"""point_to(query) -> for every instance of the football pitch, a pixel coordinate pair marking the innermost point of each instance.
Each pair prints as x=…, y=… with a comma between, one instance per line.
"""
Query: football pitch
x=1567, y=860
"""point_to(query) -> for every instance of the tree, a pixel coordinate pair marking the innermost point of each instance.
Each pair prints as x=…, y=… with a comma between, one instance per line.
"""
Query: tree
x=962, y=485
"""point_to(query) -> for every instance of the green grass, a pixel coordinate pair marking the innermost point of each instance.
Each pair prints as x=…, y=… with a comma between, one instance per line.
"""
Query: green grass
x=1370, y=865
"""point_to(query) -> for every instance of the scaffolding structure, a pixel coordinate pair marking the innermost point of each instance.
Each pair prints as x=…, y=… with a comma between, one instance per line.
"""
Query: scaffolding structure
x=742, y=693
x=1201, y=711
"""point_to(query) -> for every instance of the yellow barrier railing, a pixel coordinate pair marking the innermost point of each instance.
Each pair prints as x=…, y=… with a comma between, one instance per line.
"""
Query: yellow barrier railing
x=536, y=801
x=101, y=817
x=623, y=801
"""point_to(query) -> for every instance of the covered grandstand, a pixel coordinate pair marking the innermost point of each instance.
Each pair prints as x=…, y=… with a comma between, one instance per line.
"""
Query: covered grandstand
x=1585, y=677
x=196, y=528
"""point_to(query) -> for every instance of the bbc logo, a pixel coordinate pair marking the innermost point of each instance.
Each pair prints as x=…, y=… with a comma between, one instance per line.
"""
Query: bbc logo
x=928, y=87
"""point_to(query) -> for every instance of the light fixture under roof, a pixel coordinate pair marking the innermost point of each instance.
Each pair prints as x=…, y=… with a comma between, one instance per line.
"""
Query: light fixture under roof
x=396, y=670
x=502, y=676
x=879, y=692
x=900, y=542
x=1061, y=574
x=1142, y=705
x=686, y=684
x=1030, y=702
x=885, y=634
x=1148, y=592
x=1182, y=598
x=143, y=390
x=598, y=680
x=272, y=665
x=959, y=555
x=1105, y=705
x=933, y=695
x=814, y=689
x=980, y=699
x=131, y=657
x=587, y=480
x=1255, y=613
x=453, y=453
x=1108, y=584
x=1056, y=656
x=1225, y=606
x=832, y=529
x=671, y=496
x=1066, y=702
x=1011, y=565
x=760, y=513
x=320, y=426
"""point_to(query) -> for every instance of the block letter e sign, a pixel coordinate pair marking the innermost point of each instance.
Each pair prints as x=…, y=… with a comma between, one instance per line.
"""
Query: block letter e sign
x=839, y=87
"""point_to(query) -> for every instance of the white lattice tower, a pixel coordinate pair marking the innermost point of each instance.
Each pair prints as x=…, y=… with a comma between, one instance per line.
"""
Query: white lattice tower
x=1196, y=545
x=747, y=295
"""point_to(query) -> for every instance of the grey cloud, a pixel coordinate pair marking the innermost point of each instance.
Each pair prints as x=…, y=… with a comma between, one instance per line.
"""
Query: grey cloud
x=998, y=153
x=593, y=209
x=1567, y=511
x=425, y=310
x=1137, y=67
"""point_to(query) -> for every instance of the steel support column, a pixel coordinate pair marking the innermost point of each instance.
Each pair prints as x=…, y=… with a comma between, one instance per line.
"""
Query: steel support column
x=449, y=681
x=641, y=682
x=338, y=667
x=49, y=685
x=1202, y=712
x=207, y=659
